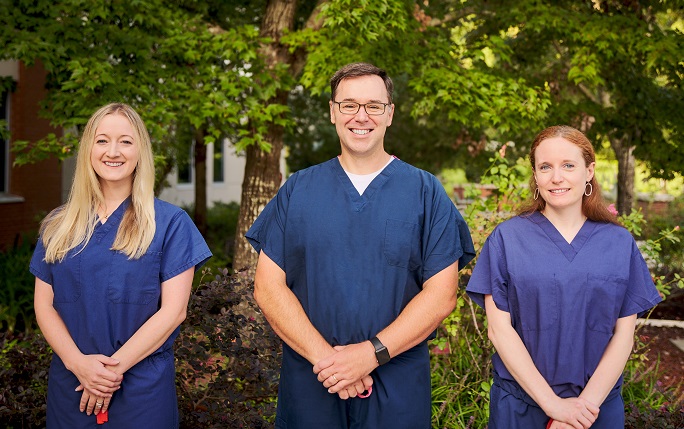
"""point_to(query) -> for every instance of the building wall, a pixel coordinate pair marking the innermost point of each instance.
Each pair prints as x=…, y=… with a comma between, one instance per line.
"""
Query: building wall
x=183, y=194
x=34, y=189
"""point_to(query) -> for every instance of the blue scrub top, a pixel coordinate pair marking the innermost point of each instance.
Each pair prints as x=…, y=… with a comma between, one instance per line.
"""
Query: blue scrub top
x=564, y=298
x=103, y=299
x=355, y=261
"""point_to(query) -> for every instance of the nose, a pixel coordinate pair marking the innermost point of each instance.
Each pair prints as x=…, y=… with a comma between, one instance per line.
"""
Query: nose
x=557, y=176
x=361, y=115
x=113, y=150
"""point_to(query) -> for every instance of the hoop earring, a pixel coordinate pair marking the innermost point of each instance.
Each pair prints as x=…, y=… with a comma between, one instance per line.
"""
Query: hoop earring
x=536, y=193
x=591, y=189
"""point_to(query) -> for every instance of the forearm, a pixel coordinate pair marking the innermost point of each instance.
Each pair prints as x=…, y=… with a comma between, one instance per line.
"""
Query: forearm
x=612, y=362
x=423, y=314
x=515, y=356
x=519, y=364
x=56, y=334
x=157, y=329
x=147, y=339
x=285, y=313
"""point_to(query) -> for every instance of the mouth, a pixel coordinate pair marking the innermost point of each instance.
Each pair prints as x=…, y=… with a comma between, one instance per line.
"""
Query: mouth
x=360, y=132
x=559, y=191
x=113, y=164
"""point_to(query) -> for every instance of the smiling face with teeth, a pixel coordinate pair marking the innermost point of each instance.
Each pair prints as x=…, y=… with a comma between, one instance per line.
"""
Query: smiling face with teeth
x=561, y=174
x=115, y=152
x=362, y=135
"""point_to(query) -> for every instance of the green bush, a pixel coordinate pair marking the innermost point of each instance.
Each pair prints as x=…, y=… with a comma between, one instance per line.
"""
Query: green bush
x=16, y=287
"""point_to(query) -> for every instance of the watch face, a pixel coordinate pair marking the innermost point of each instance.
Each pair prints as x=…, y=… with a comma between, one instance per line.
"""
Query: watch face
x=381, y=353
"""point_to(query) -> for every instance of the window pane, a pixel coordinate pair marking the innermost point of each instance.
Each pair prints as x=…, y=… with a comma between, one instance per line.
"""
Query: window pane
x=218, y=160
x=185, y=168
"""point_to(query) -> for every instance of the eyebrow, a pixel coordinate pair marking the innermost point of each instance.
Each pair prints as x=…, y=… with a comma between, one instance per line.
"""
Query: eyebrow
x=574, y=161
x=106, y=135
x=369, y=101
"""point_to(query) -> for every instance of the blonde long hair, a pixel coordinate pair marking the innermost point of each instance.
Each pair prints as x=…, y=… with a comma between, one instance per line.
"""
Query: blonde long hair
x=72, y=224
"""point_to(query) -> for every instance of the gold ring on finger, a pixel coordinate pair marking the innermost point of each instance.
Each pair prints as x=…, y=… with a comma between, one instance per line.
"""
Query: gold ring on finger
x=335, y=378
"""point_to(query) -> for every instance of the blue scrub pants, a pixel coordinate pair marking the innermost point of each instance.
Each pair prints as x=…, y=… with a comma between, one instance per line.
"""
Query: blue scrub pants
x=511, y=408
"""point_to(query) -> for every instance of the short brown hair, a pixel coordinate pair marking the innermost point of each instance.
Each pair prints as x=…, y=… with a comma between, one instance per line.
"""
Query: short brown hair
x=358, y=70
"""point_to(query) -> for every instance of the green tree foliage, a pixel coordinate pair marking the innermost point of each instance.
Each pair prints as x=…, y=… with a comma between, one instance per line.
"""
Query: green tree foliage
x=183, y=74
x=614, y=69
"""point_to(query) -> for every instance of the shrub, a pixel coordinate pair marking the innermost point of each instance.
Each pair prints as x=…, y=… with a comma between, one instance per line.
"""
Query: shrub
x=654, y=418
x=16, y=287
x=228, y=359
x=24, y=363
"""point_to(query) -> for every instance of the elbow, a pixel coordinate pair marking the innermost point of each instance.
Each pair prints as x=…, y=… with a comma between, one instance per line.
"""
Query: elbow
x=492, y=335
x=182, y=315
x=258, y=292
x=447, y=307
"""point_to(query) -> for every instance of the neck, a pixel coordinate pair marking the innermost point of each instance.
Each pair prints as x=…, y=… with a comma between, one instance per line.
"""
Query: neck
x=113, y=197
x=568, y=222
x=364, y=165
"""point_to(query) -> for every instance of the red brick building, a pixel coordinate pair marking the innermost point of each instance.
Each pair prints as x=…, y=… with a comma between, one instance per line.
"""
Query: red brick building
x=30, y=191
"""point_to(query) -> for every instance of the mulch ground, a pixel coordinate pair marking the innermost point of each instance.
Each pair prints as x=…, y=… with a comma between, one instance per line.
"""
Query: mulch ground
x=671, y=358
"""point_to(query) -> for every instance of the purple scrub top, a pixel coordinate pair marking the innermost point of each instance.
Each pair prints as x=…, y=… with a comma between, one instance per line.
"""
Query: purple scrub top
x=564, y=298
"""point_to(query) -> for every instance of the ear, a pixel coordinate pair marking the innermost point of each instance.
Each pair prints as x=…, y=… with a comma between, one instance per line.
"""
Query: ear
x=590, y=171
x=332, y=111
x=390, y=115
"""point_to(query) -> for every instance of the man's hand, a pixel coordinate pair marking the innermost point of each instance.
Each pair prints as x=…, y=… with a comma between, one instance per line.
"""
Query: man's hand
x=346, y=372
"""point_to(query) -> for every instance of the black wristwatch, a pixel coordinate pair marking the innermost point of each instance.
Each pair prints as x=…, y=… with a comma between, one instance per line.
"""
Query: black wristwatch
x=381, y=353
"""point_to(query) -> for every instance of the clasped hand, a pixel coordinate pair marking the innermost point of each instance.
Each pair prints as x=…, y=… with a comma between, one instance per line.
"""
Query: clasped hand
x=346, y=371
x=573, y=413
x=98, y=382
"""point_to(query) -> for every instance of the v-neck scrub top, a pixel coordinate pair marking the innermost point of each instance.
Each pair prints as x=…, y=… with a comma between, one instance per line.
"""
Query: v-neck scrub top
x=354, y=262
x=564, y=298
x=104, y=298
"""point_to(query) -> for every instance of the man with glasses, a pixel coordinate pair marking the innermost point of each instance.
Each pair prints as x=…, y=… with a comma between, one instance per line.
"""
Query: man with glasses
x=358, y=265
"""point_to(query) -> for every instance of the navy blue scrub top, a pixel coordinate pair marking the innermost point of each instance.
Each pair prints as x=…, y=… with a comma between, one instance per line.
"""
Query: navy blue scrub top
x=104, y=298
x=564, y=298
x=355, y=261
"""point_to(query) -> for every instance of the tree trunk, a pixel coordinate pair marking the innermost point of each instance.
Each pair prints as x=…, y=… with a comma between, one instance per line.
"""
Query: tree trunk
x=262, y=170
x=200, y=216
x=624, y=152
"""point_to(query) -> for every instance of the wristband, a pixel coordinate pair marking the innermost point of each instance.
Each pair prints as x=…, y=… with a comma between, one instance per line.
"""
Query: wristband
x=366, y=393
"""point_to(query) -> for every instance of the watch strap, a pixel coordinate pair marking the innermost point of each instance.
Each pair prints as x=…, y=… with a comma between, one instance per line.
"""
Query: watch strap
x=381, y=353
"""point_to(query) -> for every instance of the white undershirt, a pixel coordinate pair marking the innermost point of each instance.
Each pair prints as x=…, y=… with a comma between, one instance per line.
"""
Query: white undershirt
x=361, y=181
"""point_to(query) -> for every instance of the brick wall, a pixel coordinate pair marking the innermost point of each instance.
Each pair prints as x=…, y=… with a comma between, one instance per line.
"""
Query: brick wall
x=38, y=185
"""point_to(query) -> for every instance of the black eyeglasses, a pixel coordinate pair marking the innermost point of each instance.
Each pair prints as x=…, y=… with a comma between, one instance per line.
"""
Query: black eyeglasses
x=352, y=108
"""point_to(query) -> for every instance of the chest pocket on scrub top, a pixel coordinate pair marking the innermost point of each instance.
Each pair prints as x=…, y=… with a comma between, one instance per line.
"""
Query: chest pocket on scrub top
x=134, y=281
x=602, y=305
x=402, y=244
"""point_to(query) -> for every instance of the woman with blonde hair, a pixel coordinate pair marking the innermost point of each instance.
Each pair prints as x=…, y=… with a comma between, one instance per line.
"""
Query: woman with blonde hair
x=114, y=269
x=562, y=284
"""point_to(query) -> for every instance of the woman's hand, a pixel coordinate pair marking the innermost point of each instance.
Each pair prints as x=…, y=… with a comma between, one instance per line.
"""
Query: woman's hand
x=576, y=413
x=92, y=403
x=95, y=378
